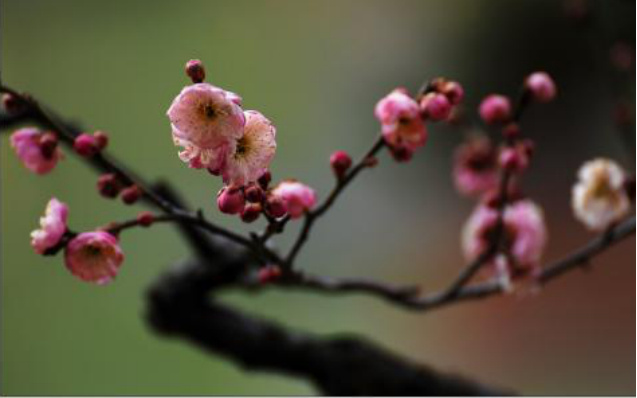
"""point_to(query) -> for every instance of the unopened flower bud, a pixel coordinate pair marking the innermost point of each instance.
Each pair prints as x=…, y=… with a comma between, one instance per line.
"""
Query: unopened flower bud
x=85, y=145
x=101, y=139
x=269, y=273
x=541, y=87
x=195, y=70
x=495, y=108
x=435, y=106
x=453, y=91
x=131, y=194
x=108, y=185
x=401, y=154
x=264, y=180
x=513, y=159
x=254, y=193
x=511, y=131
x=12, y=104
x=275, y=206
x=145, y=218
x=230, y=200
x=48, y=145
x=340, y=162
x=251, y=212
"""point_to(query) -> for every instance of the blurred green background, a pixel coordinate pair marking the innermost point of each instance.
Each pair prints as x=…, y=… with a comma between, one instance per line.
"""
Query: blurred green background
x=316, y=69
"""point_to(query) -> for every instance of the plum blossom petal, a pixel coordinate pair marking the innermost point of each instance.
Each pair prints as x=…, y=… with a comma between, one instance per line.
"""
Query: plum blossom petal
x=475, y=168
x=401, y=121
x=52, y=227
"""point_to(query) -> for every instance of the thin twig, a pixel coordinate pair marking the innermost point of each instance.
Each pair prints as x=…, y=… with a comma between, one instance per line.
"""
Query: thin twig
x=341, y=184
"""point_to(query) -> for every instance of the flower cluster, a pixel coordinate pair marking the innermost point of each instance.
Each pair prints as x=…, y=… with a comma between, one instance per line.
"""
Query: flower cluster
x=91, y=256
x=216, y=134
x=402, y=117
x=503, y=218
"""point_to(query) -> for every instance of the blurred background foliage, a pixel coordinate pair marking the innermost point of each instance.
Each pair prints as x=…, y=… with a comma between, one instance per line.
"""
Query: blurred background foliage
x=316, y=68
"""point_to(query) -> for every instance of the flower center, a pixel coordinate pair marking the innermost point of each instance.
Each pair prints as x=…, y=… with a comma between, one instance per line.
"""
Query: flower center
x=92, y=251
x=209, y=111
x=243, y=147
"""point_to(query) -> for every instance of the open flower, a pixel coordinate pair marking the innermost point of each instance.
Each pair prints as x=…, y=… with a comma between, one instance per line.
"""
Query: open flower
x=27, y=143
x=475, y=168
x=599, y=198
x=199, y=158
x=297, y=198
x=253, y=152
x=206, y=116
x=524, y=233
x=52, y=227
x=401, y=121
x=94, y=257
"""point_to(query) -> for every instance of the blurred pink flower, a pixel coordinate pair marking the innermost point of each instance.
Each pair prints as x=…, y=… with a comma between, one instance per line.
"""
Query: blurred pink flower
x=206, y=116
x=524, y=237
x=94, y=257
x=541, y=86
x=475, y=168
x=495, y=108
x=297, y=197
x=253, y=152
x=401, y=121
x=52, y=227
x=26, y=143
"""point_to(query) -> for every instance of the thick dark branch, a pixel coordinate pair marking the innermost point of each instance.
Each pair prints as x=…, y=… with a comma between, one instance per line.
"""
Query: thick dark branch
x=344, y=365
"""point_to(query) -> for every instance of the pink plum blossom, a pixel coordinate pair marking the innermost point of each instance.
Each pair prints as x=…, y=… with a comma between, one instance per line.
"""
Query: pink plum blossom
x=52, y=227
x=476, y=167
x=230, y=200
x=27, y=144
x=401, y=121
x=524, y=237
x=94, y=257
x=253, y=152
x=297, y=197
x=206, y=116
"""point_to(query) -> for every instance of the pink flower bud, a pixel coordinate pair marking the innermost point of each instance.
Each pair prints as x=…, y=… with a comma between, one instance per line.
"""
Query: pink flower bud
x=195, y=70
x=435, y=106
x=269, y=273
x=264, y=180
x=275, y=206
x=495, y=108
x=340, y=162
x=48, y=145
x=108, y=185
x=145, y=218
x=27, y=144
x=513, y=159
x=254, y=193
x=131, y=194
x=94, y=257
x=511, y=131
x=230, y=200
x=85, y=145
x=101, y=139
x=453, y=91
x=12, y=104
x=541, y=87
x=298, y=198
x=251, y=212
